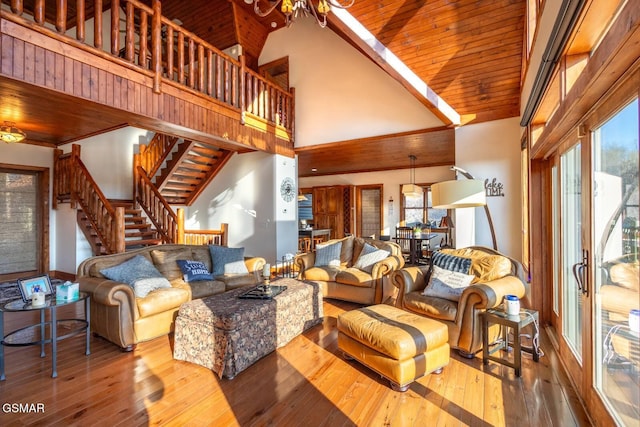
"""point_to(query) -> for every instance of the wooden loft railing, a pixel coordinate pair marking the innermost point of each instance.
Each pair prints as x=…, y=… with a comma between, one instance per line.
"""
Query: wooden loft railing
x=141, y=38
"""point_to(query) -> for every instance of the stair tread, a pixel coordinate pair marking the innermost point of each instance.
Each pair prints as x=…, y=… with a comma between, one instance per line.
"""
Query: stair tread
x=143, y=242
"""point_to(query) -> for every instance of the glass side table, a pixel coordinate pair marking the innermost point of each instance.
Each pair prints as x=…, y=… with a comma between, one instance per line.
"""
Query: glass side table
x=516, y=323
x=44, y=332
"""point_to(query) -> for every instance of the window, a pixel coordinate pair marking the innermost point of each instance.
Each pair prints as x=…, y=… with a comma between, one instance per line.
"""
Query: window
x=418, y=210
x=23, y=241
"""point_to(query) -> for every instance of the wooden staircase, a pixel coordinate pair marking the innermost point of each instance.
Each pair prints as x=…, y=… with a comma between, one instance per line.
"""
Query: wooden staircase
x=181, y=169
x=138, y=231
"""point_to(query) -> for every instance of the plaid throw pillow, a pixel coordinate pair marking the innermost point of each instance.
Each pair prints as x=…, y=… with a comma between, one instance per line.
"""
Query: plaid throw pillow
x=328, y=255
x=452, y=262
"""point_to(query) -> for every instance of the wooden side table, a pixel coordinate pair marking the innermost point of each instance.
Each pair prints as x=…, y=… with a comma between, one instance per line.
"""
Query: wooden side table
x=516, y=323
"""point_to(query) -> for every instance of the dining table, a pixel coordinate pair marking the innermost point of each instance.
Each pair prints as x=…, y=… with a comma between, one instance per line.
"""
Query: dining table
x=415, y=245
x=312, y=233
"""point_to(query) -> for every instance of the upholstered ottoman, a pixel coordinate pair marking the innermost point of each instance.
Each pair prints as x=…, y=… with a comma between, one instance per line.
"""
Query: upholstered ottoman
x=227, y=334
x=399, y=345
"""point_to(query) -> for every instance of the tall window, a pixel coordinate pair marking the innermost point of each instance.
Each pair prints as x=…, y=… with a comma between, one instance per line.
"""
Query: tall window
x=419, y=210
x=20, y=235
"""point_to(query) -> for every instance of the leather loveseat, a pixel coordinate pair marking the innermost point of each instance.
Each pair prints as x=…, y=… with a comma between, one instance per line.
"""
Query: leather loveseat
x=125, y=319
x=496, y=275
x=350, y=278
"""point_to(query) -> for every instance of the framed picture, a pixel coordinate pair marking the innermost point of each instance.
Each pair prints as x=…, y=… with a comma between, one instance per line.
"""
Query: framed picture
x=34, y=284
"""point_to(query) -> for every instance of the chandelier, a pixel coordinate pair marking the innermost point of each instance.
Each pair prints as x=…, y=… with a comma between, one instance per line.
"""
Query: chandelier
x=10, y=133
x=293, y=9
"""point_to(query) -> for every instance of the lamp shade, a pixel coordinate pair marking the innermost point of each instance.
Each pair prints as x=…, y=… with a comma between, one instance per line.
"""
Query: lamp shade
x=411, y=190
x=458, y=194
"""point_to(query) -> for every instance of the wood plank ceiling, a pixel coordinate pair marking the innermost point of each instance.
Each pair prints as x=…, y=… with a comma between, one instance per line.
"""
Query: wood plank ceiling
x=468, y=51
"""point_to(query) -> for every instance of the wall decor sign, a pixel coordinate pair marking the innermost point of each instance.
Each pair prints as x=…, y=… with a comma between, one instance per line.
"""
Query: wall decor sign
x=493, y=188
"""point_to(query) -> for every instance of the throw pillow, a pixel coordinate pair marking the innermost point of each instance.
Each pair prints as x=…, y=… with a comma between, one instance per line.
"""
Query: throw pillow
x=452, y=262
x=227, y=260
x=369, y=256
x=194, y=270
x=447, y=284
x=328, y=255
x=139, y=273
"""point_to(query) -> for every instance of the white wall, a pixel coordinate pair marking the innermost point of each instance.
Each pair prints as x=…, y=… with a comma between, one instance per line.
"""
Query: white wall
x=492, y=150
x=340, y=94
x=243, y=196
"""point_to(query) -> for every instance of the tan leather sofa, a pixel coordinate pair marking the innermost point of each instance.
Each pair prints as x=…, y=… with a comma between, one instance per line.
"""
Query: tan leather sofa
x=496, y=276
x=125, y=320
x=345, y=282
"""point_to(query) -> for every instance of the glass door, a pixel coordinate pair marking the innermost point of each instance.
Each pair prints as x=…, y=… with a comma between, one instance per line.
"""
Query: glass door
x=571, y=273
x=616, y=245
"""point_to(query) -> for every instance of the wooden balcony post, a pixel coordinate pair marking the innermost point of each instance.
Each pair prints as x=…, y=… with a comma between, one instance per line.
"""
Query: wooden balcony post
x=115, y=27
x=38, y=12
x=243, y=90
x=17, y=7
x=225, y=234
x=80, y=24
x=180, y=225
x=97, y=27
x=61, y=16
x=156, y=46
x=118, y=230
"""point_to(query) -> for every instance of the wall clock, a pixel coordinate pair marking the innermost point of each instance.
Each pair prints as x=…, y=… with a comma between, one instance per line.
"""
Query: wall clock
x=287, y=189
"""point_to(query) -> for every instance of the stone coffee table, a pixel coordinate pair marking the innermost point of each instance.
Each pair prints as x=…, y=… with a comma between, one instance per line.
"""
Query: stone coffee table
x=227, y=334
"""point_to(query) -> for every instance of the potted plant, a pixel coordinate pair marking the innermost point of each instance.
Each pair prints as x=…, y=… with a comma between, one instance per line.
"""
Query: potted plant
x=417, y=230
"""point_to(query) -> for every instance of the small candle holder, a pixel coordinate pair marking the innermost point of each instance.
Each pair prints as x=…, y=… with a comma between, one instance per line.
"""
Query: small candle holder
x=266, y=279
x=266, y=285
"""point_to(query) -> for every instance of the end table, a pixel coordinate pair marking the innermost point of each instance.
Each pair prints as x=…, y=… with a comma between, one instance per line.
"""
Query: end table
x=516, y=323
x=44, y=332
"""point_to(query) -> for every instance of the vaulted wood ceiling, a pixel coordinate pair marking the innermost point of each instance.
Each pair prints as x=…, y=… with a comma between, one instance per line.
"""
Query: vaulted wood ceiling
x=468, y=51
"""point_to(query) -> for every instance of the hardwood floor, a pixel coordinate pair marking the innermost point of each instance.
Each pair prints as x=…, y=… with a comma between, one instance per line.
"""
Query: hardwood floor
x=306, y=383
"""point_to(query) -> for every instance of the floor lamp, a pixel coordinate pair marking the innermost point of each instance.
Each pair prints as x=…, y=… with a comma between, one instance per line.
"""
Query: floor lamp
x=462, y=194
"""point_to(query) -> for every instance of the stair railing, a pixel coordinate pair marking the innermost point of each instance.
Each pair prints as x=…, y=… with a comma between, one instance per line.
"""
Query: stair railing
x=156, y=152
x=155, y=206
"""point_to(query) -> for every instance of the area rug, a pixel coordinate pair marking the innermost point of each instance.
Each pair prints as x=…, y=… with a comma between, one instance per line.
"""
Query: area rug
x=9, y=290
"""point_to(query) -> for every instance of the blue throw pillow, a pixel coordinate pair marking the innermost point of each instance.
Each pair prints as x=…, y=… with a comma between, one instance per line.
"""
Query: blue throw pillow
x=139, y=273
x=227, y=260
x=194, y=270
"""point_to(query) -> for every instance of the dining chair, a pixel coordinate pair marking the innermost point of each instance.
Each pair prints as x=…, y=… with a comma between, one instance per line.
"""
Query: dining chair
x=403, y=238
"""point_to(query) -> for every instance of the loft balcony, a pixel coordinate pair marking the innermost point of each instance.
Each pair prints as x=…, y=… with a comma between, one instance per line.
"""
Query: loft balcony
x=84, y=73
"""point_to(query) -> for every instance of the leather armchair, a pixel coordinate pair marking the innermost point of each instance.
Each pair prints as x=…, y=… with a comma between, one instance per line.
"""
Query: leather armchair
x=347, y=282
x=463, y=317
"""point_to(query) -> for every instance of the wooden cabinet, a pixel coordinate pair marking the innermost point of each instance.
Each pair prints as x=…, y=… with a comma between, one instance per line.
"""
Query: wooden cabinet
x=332, y=209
